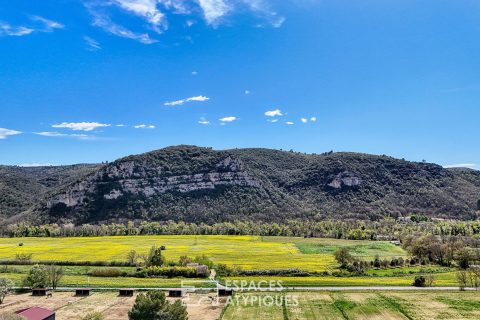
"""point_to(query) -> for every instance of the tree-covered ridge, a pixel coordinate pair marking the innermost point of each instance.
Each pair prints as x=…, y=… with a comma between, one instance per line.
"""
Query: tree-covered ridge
x=202, y=185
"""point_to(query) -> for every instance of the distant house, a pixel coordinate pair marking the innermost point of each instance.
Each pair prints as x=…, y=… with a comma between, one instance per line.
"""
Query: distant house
x=36, y=313
x=202, y=270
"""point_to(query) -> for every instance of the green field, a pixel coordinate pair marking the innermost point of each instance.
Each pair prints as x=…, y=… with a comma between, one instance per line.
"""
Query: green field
x=355, y=305
x=247, y=252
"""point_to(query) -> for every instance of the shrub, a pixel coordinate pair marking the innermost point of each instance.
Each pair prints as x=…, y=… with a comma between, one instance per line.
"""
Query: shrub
x=37, y=277
x=6, y=286
x=107, y=272
x=154, y=306
x=93, y=316
x=275, y=272
x=11, y=316
x=23, y=257
x=420, y=281
x=171, y=272
x=343, y=257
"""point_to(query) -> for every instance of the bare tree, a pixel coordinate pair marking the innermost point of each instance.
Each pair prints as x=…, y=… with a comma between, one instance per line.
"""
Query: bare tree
x=6, y=286
x=55, y=274
x=462, y=279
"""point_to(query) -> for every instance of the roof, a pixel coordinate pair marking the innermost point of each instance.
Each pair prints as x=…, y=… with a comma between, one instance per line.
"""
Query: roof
x=35, y=313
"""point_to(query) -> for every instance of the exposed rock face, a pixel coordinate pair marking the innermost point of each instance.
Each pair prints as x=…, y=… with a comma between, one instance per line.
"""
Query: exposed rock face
x=140, y=178
x=345, y=179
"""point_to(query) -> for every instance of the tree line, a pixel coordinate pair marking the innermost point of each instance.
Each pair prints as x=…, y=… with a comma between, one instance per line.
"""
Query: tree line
x=385, y=229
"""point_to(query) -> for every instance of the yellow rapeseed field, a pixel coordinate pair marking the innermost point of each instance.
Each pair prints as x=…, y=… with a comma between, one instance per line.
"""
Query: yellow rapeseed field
x=248, y=252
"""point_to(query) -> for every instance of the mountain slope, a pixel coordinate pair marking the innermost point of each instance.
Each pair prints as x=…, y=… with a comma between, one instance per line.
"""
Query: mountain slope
x=188, y=183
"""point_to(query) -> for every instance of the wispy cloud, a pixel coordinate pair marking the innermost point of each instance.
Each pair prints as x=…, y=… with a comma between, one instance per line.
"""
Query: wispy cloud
x=183, y=101
x=463, y=165
x=304, y=120
x=274, y=113
x=144, y=126
x=92, y=44
x=4, y=133
x=80, y=126
x=313, y=119
x=289, y=123
x=155, y=13
x=203, y=121
x=49, y=25
x=214, y=10
x=37, y=24
x=104, y=22
x=146, y=9
x=55, y=134
x=15, y=31
x=228, y=119
x=272, y=120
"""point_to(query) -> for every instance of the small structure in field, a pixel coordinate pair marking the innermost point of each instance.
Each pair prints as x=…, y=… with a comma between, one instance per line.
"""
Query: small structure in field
x=40, y=292
x=82, y=292
x=176, y=293
x=36, y=313
x=126, y=292
x=225, y=292
x=202, y=270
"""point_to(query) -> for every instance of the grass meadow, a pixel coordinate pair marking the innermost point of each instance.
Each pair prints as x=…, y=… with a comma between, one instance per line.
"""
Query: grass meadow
x=357, y=305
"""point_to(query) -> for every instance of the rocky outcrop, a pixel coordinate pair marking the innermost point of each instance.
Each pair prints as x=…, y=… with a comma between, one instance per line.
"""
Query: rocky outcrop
x=140, y=178
x=345, y=179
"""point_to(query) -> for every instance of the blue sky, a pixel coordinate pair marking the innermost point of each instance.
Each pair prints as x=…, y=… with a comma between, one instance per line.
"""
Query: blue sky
x=94, y=80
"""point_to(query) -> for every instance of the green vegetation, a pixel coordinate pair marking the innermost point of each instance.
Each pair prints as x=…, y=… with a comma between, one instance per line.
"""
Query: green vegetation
x=233, y=257
x=358, y=305
x=154, y=306
x=267, y=185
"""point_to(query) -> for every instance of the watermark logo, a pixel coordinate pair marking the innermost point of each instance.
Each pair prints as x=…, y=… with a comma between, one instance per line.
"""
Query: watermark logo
x=264, y=293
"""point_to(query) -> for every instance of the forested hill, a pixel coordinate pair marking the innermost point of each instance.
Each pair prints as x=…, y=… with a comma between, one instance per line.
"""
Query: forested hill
x=193, y=184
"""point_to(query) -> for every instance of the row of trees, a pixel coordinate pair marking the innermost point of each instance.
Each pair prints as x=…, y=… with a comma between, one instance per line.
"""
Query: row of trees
x=386, y=229
x=443, y=250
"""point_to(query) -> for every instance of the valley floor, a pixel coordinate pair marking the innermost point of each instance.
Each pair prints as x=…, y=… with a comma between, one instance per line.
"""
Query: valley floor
x=291, y=305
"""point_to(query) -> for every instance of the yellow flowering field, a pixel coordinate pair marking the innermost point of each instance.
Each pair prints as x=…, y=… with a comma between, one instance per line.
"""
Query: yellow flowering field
x=248, y=252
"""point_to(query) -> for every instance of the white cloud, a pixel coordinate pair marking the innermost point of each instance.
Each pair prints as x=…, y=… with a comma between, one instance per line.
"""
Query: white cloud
x=274, y=113
x=304, y=120
x=144, y=126
x=8, y=30
x=183, y=101
x=228, y=119
x=289, y=123
x=463, y=165
x=146, y=9
x=36, y=165
x=203, y=121
x=313, y=119
x=17, y=31
x=103, y=21
x=120, y=125
x=49, y=25
x=80, y=126
x=247, y=92
x=92, y=44
x=278, y=22
x=213, y=10
x=4, y=133
x=55, y=134
x=272, y=120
